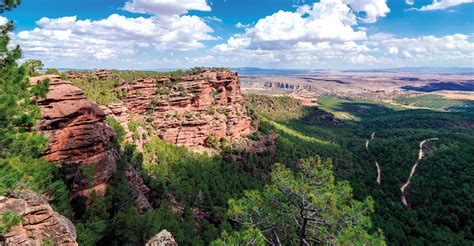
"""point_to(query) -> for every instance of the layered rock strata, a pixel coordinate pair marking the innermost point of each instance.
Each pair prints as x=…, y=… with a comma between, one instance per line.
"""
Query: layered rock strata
x=79, y=139
x=40, y=224
x=186, y=110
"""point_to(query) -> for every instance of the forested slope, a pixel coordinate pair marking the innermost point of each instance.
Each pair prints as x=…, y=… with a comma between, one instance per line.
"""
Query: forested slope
x=439, y=198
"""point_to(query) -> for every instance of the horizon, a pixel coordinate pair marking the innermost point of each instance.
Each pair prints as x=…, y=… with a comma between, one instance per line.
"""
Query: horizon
x=296, y=34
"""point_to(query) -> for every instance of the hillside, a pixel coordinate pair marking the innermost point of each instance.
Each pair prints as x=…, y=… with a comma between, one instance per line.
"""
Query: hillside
x=375, y=148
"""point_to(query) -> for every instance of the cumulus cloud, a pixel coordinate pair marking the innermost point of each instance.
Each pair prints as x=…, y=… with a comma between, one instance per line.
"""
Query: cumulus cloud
x=430, y=48
x=3, y=20
x=372, y=9
x=442, y=4
x=165, y=7
x=410, y=2
x=117, y=35
x=328, y=20
x=377, y=50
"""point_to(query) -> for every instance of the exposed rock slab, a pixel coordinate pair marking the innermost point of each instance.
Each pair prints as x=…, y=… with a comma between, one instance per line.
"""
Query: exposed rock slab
x=164, y=238
x=138, y=190
x=78, y=136
x=40, y=222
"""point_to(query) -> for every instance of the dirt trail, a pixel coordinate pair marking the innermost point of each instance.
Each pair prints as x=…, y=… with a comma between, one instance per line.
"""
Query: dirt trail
x=379, y=170
x=413, y=170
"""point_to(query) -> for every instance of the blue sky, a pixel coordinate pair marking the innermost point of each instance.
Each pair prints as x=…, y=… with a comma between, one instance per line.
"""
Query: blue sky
x=152, y=34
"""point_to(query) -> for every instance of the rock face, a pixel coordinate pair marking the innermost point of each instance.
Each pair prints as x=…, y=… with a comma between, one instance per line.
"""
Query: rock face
x=164, y=238
x=186, y=110
x=78, y=137
x=138, y=190
x=40, y=223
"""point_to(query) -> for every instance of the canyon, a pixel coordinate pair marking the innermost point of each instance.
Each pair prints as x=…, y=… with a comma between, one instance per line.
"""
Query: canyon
x=188, y=110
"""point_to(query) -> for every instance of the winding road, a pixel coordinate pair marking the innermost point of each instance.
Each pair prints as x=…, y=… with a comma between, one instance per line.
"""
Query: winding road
x=379, y=170
x=413, y=169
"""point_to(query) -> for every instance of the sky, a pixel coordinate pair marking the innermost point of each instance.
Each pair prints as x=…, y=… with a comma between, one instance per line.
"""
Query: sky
x=304, y=34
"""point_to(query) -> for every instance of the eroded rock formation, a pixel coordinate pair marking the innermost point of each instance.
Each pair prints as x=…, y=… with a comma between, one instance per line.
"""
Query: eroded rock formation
x=39, y=224
x=138, y=190
x=78, y=137
x=186, y=110
x=164, y=238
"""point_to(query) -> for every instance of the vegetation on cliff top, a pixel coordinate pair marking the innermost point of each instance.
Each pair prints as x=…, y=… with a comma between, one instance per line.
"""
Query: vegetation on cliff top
x=102, y=90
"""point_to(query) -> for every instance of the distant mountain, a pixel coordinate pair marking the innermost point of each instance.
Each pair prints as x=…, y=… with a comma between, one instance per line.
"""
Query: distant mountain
x=249, y=71
x=439, y=70
x=275, y=72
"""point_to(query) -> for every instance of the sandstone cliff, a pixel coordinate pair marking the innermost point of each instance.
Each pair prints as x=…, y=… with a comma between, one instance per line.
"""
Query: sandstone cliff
x=185, y=110
x=39, y=224
x=78, y=137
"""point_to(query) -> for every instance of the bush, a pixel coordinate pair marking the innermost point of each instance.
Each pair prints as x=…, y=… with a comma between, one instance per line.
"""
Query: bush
x=150, y=120
x=212, y=142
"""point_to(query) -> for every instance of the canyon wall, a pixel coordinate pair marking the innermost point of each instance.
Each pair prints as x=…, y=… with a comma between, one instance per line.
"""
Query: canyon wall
x=185, y=110
x=79, y=139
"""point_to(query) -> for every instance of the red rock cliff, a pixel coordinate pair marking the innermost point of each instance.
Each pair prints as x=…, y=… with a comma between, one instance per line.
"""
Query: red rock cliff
x=77, y=136
x=39, y=222
x=186, y=110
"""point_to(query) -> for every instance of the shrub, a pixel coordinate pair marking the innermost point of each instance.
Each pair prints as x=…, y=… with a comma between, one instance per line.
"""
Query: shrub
x=212, y=142
x=150, y=119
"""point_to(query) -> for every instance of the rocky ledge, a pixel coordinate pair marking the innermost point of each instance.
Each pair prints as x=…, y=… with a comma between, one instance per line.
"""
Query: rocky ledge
x=185, y=110
x=39, y=223
x=164, y=238
x=79, y=139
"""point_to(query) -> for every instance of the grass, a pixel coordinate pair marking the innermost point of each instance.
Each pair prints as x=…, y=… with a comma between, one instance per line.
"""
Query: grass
x=432, y=101
x=347, y=109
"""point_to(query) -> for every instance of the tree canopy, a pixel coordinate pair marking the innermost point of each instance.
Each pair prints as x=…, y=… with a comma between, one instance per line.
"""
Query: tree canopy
x=306, y=208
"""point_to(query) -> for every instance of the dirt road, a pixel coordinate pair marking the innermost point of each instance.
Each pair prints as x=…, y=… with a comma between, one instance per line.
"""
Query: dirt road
x=379, y=170
x=413, y=169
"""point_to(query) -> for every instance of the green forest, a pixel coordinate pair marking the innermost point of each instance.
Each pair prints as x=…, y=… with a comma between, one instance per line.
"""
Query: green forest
x=440, y=196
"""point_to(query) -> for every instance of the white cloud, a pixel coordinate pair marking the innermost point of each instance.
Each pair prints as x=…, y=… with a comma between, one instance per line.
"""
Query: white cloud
x=328, y=20
x=362, y=59
x=165, y=7
x=431, y=48
x=410, y=2
x=373, y=9
x=109, y=38
x=212, y=18
x=379, y=50
x=3, y=20
x=442, y=4
x=240, y=25
x=393, y=50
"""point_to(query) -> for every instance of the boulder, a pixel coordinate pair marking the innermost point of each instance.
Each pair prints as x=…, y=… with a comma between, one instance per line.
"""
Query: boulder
x=39, y=222
x=164, y=238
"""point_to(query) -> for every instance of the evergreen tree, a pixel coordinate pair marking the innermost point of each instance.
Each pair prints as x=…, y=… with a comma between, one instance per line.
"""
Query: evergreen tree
x=21, y=147
x=306, y=208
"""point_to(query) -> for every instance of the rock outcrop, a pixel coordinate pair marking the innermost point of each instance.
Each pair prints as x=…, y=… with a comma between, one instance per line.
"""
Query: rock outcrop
x=186, y=110
x=39, y=222
x=79, y=140
x=164, y=238
x=138, y=190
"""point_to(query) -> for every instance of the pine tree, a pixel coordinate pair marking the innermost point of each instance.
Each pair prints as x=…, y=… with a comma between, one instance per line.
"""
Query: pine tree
x=21, y=147
x=306, y=208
